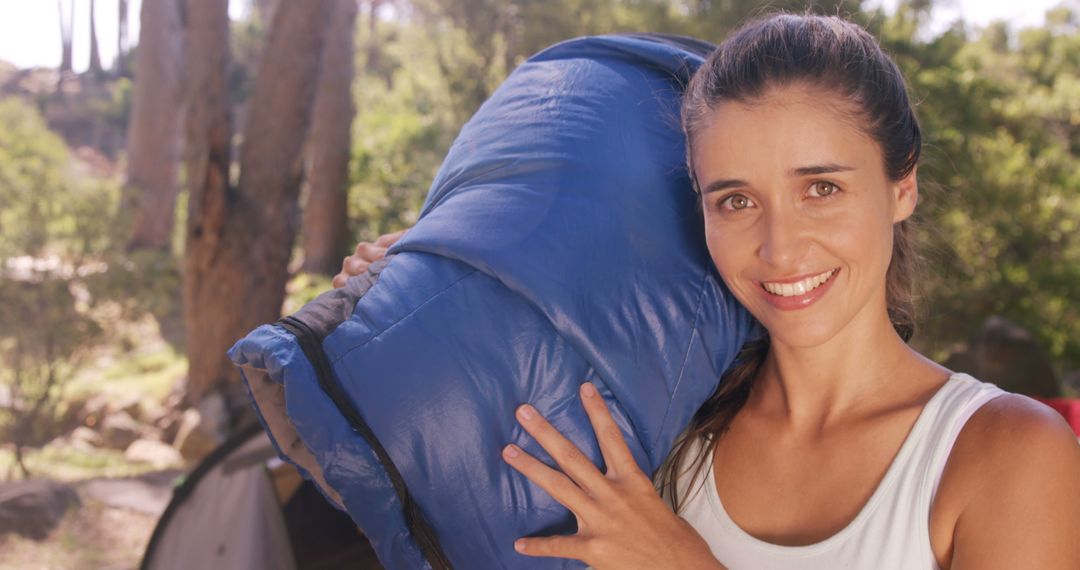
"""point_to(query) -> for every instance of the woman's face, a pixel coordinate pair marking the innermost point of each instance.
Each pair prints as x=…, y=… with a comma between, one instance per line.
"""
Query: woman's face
x=799, y=212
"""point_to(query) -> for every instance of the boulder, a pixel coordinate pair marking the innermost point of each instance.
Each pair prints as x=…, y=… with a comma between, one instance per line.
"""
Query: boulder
x=132, y=406
x=160, y=455
x=167, y=422
x=119, y=430
x=94, y=411
x=34, y=508
x=1008, y=355
x=83, y=436
x=196, y=437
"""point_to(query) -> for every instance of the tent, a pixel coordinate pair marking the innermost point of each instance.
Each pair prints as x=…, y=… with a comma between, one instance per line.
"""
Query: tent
x=242, y=507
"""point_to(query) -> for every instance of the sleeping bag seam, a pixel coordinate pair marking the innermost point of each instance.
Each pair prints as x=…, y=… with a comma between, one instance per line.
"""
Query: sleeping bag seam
x=346, y=352
x=686, y=358
x=419, y=528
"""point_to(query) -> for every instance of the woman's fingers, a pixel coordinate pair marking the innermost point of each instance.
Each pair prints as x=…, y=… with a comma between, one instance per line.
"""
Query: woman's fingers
x=368, y=252
x=557, y=546
x=572, y=461
x=561, y=488
x=388, y=240
x=365, y=254
x=613, y=446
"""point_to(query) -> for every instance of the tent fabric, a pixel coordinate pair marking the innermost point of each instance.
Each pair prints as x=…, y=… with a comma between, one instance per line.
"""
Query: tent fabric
x=231, y=519
x=241, y=507
x=560, y=242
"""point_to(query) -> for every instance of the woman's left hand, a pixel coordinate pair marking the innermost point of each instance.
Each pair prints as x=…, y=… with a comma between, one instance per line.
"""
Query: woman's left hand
x=622, y=521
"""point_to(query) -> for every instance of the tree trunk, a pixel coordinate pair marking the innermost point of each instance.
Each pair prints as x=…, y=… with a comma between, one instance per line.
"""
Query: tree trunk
x=239, y=240
x=153, y=138
x=95, y=55
x=153, y=133
x=66, y=32
x=264, y=10
x=325, y=214
x=207, y=158
x=121, y=36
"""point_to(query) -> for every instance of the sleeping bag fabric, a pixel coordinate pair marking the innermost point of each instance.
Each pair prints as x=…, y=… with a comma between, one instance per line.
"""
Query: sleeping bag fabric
x=560, y=242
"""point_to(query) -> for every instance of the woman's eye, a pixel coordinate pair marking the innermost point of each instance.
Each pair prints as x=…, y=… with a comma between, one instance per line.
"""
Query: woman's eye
x=736, y=202
x=823, y=189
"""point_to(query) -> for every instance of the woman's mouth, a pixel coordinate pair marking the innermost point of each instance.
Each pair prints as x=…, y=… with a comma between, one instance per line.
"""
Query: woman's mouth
x=800, y=293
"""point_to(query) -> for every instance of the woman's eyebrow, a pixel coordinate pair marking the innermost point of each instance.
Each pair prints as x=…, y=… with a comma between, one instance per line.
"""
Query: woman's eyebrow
x=819, y=169
x=724, y=184
x=718, y=185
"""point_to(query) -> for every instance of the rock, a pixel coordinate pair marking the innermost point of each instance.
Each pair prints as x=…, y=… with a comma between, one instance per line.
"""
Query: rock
x=1007, y=355
x=87, y=437
x=119, y=430
x=93, y=412
x=167, y=422
x=132, y=406
x=34, y=508
x=195, y=438
x=1072, y=381
x=160, y=455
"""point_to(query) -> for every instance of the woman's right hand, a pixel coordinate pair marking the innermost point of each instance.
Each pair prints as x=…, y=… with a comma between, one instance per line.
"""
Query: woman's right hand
x=366, y=253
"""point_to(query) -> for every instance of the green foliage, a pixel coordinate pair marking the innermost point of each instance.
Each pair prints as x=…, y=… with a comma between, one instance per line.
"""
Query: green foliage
x=1000, y=112
x=32, y=187
x=65, y=280
x=404, y=126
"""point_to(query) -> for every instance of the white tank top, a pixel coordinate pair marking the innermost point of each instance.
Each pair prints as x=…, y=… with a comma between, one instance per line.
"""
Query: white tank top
x=891, y=531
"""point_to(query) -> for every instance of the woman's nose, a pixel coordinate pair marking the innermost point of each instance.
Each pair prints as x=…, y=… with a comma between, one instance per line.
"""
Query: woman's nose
x=782, y=240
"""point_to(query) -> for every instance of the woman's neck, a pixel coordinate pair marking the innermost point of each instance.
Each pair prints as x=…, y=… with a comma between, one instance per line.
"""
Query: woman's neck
x=812, y=388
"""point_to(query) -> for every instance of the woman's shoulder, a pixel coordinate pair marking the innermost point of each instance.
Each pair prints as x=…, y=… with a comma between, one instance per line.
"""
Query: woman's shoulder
x=1011, y=424
x=1013, y=477
x=1011, y=435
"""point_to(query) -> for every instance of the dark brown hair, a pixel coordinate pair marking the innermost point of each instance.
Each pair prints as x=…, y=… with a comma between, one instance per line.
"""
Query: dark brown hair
x=836, y=56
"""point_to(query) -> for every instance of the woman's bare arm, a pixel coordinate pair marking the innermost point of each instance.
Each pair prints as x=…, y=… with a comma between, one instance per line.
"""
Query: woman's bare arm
x=1022, y=473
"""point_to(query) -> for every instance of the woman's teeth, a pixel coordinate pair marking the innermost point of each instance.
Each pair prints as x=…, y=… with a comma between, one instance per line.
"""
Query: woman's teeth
x=800, y=288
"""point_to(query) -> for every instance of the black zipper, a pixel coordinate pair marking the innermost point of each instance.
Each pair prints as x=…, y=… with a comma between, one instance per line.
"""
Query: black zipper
x=311, y=344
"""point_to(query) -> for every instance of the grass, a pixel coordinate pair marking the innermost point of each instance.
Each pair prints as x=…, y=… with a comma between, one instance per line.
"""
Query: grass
x=148, y=374
x=68, y=463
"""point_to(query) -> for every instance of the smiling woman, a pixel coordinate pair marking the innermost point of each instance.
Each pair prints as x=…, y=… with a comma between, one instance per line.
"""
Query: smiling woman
x=832, y=443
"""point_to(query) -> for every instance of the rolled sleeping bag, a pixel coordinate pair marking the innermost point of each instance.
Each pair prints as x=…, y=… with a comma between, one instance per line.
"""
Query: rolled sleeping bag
x=560, y=242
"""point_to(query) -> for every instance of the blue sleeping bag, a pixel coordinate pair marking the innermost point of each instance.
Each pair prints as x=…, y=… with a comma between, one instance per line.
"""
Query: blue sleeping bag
x=560, y=242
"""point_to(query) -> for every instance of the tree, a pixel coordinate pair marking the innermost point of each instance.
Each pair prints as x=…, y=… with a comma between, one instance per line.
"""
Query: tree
x=95, y=54
x=326, y=211
x=154, y=131
x=121, y=36
x=66, y=30
x=238, y=238
x=1001, y=194
x=43, y=334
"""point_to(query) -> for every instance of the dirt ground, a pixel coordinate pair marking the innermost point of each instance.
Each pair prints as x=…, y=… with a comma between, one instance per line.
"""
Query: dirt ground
x=108, y=531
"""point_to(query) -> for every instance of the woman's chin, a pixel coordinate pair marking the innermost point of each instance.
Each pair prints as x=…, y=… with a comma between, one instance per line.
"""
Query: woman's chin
x=811, y=336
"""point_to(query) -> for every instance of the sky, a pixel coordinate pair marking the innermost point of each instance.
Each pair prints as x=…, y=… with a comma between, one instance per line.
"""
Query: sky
x=30, y=29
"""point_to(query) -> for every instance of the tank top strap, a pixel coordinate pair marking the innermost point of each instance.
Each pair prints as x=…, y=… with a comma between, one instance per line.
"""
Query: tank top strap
x=962, y=396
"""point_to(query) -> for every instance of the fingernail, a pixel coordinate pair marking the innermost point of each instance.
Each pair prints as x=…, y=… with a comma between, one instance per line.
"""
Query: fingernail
x=588, y=389
x=525, y=411
x=519, y=545
x=511, y=451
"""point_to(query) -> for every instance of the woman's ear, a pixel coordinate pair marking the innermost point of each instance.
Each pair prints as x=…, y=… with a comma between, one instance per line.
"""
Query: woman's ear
x=906, y=195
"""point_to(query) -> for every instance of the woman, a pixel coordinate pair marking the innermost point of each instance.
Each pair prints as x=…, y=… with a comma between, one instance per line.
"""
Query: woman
x=832, y=444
